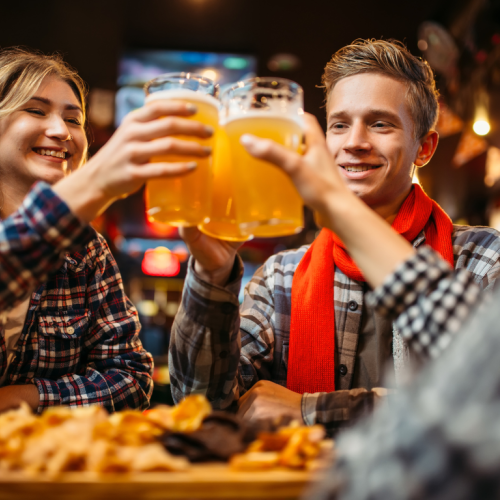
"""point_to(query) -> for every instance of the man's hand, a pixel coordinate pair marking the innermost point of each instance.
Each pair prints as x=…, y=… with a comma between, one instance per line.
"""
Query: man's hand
x=314, y=174
x=12, y=396
x=214, y=259
x=267, y=400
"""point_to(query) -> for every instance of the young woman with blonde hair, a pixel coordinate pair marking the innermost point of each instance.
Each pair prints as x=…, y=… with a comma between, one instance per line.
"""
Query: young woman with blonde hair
x=74, y=339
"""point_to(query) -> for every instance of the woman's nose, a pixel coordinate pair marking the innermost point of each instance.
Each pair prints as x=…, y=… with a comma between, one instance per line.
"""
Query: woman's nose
x=58, y=129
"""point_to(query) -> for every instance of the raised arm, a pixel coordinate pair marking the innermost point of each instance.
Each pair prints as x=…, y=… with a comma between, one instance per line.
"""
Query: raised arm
x=375, y=247
x=215, y=349
x=33, y=241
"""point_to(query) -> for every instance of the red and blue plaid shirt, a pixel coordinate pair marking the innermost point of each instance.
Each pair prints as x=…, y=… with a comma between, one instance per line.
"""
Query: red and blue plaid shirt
x=80, y=342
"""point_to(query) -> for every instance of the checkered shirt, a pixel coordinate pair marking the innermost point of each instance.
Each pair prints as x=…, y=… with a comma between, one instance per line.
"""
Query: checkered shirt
x=439, y=438
x=221, y=352
x=80, y=342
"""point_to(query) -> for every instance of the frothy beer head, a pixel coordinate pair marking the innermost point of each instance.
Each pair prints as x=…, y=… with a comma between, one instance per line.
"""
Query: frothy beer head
x=184, y=95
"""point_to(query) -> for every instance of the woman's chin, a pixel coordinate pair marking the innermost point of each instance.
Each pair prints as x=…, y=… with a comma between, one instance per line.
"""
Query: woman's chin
x=52, y=176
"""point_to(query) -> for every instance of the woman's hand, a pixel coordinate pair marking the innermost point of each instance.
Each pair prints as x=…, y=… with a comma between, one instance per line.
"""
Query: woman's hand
x=123, y=165
x=11, y=396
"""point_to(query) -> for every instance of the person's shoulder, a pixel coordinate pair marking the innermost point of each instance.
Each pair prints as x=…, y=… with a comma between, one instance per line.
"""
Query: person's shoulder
x=287, y=259
x=470, y=238
x=279, y=269
x=477, y=249
x=94, y=251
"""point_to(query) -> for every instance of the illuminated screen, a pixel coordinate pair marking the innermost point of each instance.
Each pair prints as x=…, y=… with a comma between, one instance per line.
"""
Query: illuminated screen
x=139, y=66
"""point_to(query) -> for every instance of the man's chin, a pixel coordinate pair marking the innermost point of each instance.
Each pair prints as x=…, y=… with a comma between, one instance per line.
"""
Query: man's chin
x=368, y=194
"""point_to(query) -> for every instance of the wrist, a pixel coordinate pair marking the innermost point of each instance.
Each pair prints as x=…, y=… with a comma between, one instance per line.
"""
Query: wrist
x=219, y=276
x=81, y=193
x=338, y=208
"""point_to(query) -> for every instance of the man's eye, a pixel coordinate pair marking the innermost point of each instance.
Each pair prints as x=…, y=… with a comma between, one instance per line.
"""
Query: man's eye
x=337, y=126
x=381, y=125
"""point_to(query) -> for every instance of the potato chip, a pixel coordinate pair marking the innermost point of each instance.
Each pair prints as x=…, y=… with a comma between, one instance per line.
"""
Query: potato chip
x=254, y=461
x=293, y=447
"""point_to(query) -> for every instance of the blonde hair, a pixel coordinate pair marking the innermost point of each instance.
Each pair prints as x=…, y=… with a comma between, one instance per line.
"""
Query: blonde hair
x=391, y=58
x=22, y=72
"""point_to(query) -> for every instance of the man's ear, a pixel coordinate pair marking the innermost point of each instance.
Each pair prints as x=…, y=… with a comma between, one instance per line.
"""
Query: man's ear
x=427, y=148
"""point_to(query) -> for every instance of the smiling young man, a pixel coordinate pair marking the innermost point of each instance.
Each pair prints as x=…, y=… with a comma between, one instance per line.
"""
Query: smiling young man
x=305, y=343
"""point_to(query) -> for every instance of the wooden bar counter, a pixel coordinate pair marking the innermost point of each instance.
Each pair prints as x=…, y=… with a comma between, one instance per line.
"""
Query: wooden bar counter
x=207, y=481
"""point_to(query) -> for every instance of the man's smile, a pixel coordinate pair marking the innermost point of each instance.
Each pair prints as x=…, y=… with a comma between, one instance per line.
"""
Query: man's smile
x=358, y=167
x=358, y=171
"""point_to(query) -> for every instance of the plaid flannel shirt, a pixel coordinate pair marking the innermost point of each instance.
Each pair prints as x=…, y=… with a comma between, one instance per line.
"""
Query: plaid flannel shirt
x=80, y=342
x=440, y=437
x=221, y=352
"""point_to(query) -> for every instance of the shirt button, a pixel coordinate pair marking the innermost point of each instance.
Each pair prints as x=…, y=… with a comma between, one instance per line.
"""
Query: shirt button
x=70, y=330
x=352, y=305
x=343, y=370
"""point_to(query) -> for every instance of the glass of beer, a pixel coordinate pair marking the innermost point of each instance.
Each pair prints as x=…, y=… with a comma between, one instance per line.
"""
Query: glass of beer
x=185, y=200
x=223, y=223
x=267, y=203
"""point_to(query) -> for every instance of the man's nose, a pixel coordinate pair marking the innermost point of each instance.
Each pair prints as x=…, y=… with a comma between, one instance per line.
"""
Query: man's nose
x=357, y=139
x=57, y=128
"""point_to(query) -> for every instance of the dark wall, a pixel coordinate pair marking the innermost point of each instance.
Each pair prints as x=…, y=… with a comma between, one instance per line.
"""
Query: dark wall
x=91, y=34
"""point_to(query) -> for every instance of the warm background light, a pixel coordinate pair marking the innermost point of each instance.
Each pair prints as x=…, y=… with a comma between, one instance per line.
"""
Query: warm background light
x=481, y=127
x=211, y=74
x=160, y=261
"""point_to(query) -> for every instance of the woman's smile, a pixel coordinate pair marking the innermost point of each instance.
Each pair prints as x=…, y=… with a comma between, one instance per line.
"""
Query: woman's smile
x=57, y=155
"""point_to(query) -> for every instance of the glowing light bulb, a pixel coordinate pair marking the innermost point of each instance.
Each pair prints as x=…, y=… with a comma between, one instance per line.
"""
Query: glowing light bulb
x=481, y=116
x=481, y=127
x=210, y=74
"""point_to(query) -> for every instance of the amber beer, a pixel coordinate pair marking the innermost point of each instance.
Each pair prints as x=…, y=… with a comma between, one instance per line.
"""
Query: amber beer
x=223, y=223
x=185, y=200
x=267, y=202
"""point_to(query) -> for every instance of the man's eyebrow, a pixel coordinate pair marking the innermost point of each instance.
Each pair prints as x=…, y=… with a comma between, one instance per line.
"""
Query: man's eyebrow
x=376, y=113
x=384, y=113
x=338, y=114
x=49, y=102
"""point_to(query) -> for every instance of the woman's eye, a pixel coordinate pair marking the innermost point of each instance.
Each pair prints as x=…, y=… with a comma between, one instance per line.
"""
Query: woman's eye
x=36, y=112
x=74, y=121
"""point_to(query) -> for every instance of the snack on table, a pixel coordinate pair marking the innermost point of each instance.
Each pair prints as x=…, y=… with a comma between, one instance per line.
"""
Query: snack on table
x=87, y=439
x=220, y=436
x=187, y=416
x=293, y=447
x=66, y=439
x=259, y=446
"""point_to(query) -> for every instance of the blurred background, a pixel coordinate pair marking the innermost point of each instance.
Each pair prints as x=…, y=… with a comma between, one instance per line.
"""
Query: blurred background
x=118, y=45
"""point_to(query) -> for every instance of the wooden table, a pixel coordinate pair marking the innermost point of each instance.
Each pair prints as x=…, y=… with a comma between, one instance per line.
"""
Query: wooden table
x=208, y=481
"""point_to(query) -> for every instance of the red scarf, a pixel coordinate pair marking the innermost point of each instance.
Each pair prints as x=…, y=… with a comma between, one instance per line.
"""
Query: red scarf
x=312, y=336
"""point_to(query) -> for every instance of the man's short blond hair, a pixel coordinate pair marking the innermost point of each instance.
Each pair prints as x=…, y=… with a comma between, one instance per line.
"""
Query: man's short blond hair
x=391, y=58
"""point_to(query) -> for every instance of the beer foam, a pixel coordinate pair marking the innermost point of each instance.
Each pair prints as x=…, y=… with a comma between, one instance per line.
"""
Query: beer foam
x=298, y=119
x=183, y=94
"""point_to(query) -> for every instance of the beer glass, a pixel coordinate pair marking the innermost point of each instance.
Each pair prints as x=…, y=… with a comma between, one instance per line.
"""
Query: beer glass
x=267, y=203
x=184, y=200
x=223, y=223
